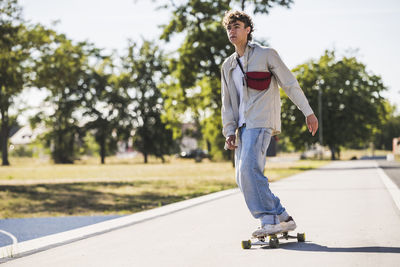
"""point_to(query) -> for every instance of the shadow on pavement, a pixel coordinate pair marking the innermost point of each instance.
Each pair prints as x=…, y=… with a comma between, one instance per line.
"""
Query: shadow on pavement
x=309, y=246
x=39, y=200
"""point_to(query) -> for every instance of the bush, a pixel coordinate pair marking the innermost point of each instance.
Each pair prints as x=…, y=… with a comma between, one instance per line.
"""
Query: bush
x=21, y=151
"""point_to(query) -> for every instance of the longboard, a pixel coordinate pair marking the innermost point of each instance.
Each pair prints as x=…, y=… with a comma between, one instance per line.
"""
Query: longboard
x=273, y=240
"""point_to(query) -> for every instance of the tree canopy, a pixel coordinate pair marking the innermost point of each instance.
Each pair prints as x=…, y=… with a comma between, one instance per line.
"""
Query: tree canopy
x=194, y=88
x=144, y=96
x=142, y=74
x=351, y=103
x=19, y=43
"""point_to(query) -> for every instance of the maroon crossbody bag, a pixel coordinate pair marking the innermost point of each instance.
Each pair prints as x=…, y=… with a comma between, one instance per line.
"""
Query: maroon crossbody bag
x=258, y=80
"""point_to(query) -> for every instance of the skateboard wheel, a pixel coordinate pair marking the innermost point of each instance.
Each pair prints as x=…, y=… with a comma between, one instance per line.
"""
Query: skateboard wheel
x=273, y=236
x=301, y=237
x=274, y=242
x=246, y=244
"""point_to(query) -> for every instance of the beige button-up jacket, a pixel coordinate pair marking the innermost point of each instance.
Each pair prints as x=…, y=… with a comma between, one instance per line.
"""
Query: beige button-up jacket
x=262, y=108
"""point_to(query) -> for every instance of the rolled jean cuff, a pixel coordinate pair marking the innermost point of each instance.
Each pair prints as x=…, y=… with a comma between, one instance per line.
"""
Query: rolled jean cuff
x=283, y=216
x=269, y=219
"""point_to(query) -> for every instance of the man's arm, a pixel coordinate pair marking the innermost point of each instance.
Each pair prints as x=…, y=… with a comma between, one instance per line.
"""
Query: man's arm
x=292, y=88
x=228, y=121
x=288, y=82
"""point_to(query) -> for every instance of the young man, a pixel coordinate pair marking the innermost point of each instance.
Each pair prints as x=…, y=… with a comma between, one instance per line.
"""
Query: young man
x=251, y=116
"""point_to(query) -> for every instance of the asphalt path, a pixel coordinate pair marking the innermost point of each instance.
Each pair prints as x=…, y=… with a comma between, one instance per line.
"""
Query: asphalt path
x=392, y=169
x=345, y=209
x=30, y=228
x=20, y=230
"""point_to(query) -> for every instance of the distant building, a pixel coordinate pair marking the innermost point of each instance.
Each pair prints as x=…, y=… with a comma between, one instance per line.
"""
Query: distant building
x=13, y=130
x=396, y=146
x=188, y=143
x=25, y=135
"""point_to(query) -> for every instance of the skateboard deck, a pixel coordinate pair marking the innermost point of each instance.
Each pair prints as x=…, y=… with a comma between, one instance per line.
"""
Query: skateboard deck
x=273, y=240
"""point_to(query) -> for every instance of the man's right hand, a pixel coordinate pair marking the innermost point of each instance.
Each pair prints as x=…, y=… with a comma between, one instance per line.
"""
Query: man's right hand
x=230, y=142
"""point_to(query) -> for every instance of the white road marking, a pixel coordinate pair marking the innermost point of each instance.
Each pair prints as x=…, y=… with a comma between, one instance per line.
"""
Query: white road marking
x=14, y=239
x=10, y=250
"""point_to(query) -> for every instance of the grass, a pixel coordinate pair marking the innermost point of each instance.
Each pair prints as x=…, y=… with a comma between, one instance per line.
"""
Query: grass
x=30, y=188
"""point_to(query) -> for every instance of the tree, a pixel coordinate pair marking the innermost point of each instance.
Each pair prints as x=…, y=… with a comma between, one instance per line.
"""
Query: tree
x=63, y=70
x=194, y=85
x=351, y=103
x=142, y=73
x=390, y=128
x=105, y=107
x=19, y=43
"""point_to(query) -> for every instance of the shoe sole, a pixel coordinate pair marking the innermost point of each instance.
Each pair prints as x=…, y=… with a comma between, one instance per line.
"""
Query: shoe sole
x=267, y=234
x=290, y=228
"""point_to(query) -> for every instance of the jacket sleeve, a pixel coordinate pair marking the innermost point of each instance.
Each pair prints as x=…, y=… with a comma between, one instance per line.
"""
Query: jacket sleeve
x=228, y=120
x=288, y=82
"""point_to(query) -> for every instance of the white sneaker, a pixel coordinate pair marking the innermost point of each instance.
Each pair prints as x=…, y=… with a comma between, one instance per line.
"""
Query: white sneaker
x=267, y=229
x=288, y=225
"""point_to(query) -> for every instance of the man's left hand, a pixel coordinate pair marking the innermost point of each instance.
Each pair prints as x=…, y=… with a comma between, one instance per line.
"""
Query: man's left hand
x=312, y=124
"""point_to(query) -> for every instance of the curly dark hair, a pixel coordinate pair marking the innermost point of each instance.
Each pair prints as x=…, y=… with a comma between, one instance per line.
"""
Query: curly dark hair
x=234, y=15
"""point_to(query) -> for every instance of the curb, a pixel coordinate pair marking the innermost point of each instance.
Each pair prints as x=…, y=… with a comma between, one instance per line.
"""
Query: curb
x=39, y=244
x=390, y=185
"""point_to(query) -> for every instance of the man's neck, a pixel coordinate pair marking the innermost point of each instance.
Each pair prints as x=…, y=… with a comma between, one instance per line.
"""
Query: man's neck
x=240, y=48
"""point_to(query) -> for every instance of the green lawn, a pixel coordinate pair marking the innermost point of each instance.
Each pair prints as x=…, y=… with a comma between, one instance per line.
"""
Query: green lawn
x=30, y=188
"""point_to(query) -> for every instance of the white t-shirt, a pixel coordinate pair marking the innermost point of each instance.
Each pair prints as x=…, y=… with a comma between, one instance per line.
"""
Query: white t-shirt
x=238, y=77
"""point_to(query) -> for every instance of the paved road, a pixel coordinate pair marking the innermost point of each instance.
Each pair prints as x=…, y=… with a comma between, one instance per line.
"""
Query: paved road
x=30, y=228
x=345, y=209
x=392, y=169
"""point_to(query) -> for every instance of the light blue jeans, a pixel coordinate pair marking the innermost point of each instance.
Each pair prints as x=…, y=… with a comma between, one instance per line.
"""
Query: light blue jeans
x=250, y=158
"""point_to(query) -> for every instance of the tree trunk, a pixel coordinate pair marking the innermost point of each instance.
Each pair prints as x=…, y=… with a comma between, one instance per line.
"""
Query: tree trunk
x=145, y=157
x=102, y=149
x=332, y=148
x=4, y=138
x=71, y=154
x=60, y=148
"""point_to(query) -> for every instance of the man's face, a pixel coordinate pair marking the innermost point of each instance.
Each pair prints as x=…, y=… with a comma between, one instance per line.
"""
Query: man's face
x=237, y=33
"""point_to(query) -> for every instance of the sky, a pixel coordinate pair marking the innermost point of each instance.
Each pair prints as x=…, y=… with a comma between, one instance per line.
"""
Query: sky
x=299, y=34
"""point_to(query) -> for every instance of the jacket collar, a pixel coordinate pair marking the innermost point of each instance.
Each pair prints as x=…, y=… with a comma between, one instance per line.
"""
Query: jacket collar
x=251, y=44
x=233, y=62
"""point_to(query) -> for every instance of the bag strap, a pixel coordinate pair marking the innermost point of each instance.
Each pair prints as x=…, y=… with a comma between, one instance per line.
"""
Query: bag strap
x=240, y=65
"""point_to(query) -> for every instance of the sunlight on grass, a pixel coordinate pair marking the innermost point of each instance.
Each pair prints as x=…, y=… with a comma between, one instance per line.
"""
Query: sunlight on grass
x=37, y=189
